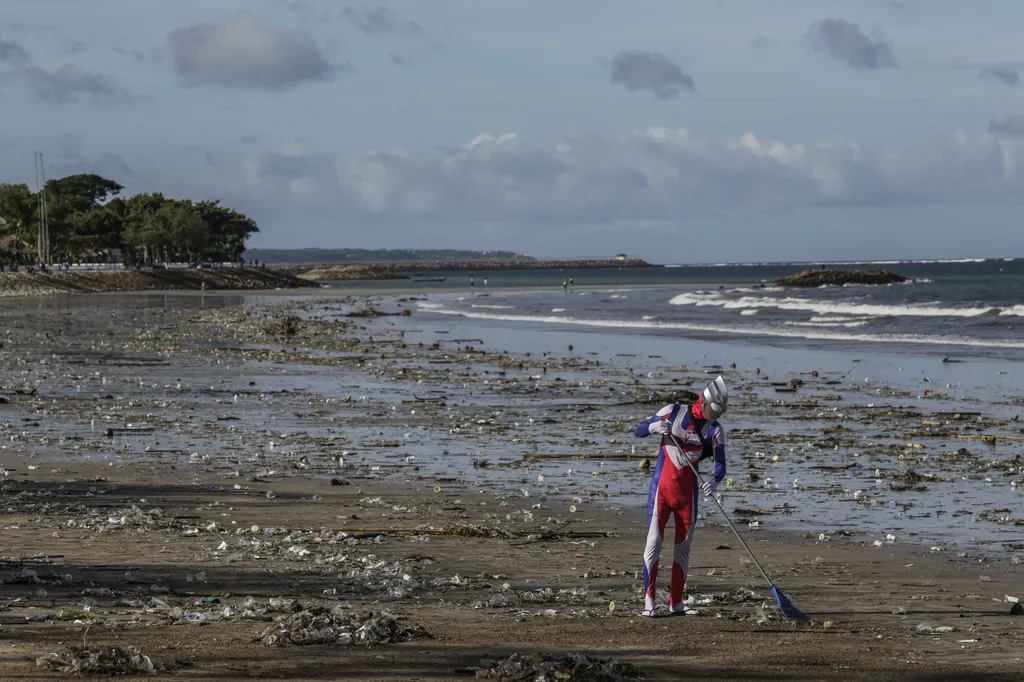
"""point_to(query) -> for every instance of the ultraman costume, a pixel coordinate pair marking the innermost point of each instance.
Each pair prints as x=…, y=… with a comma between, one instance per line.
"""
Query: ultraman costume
x=674, y=488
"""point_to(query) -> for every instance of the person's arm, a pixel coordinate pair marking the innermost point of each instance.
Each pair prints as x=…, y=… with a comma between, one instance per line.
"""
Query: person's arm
x=663, y=414
x=718, y=443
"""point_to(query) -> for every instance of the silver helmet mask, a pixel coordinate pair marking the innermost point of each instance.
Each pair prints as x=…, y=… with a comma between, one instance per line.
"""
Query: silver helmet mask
x=714, y=399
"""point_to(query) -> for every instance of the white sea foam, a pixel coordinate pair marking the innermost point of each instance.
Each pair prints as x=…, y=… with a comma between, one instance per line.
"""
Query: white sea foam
x=492, y=307
x=802, y=333
x=859, y=323
x=838, y=319
x=825, y=307
x=749, y=311
x=746, y=290
x=1017, y=310
x=558, y=310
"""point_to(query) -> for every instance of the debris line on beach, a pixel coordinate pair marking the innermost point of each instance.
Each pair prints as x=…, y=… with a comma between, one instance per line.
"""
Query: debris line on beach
x=100, y=660
x=560, y=668
x=339, y=626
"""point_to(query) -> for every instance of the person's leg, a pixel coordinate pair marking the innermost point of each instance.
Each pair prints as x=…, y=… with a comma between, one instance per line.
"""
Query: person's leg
x=657, y=516
x=685, y=520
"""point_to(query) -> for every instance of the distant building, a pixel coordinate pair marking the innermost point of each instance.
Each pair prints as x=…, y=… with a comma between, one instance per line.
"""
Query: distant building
x=621, y=256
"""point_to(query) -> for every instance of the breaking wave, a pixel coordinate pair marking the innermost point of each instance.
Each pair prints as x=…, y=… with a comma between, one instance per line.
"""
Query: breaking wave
x=801, y=333
x=829, y=307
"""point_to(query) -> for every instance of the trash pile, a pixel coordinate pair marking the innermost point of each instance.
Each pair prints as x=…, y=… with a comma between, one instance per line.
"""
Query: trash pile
x=739, y=595
x=577, y=596
x=560, y=668
x=28, y=576
x=99, y=660
x=323, y=552
x=129, y=518
x=319, y=625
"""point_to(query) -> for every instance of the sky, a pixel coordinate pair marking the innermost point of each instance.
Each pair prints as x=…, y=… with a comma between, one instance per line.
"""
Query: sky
x=673, y=130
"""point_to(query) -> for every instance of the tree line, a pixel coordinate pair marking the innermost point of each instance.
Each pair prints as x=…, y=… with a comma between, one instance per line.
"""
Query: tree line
x=88, y=220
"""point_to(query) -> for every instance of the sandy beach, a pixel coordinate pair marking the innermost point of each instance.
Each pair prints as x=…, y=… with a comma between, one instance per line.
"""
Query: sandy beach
x=201, y=477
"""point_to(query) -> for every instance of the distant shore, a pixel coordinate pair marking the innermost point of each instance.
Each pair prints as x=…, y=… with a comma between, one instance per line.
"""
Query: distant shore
x=470, y=265
x=55, y=282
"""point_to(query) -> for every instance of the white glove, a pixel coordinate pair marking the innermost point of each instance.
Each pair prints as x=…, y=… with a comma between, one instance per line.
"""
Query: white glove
x=660, y=428
x=709, y=487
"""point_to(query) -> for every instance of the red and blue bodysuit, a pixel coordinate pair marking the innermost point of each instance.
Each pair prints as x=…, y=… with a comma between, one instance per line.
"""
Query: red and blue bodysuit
x=674, y=491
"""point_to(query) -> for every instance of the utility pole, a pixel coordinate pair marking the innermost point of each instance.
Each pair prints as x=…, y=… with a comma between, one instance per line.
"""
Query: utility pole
x=43, y=235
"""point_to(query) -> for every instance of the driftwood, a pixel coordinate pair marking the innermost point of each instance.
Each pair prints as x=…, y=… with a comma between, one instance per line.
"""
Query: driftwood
x=470, y=531
x=682, y=397
x=608, y=456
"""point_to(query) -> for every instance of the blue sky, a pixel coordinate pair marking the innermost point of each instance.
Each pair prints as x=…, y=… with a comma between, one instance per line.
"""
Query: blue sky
x=678, y=131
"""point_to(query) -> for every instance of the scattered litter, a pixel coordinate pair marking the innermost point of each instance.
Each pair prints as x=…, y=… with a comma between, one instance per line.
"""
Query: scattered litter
x=557, y=668
x=99, y=660
x=338, y=626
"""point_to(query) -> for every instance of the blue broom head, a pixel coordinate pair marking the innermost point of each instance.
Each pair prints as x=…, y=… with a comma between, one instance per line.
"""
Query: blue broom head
x=788, y=610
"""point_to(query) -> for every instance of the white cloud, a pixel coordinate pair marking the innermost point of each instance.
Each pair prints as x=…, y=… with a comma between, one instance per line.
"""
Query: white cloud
x=651, y=175
x=245, y=52
x=657, y=176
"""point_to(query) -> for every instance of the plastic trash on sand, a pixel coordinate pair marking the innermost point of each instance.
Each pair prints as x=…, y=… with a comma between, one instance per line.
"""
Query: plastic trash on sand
x=100, y=660
x=549, y=668
x=339, y=626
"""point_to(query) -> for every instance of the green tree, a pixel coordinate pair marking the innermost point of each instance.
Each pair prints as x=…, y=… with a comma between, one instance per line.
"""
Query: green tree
x=229, y=230
x=188, y=232
x=139, y=225
x=76, y=217
x=18, y=209
x=85, y=190
x=87, y=217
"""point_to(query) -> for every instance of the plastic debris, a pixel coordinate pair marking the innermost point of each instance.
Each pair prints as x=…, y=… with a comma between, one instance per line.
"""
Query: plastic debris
x=339, y=626
x=552, y=668
x=100, y=660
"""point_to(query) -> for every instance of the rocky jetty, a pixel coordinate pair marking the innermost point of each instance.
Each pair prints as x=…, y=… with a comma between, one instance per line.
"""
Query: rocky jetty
x=817, y=278
x=566, y=264
x=448, y=265
x=349, y=272
x=96, y=281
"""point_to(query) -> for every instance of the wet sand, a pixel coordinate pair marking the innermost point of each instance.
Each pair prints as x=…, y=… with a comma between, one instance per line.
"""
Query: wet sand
x=56, y=282
x=380, y=473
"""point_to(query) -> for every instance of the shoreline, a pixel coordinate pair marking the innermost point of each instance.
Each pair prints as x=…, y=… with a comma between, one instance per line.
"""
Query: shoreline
x=371, y=290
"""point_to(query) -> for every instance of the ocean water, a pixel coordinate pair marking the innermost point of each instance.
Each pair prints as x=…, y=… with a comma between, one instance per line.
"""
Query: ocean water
x=965, y=308
x=965, y=271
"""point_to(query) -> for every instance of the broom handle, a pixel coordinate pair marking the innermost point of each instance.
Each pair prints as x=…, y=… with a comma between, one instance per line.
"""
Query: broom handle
x=717, y=504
